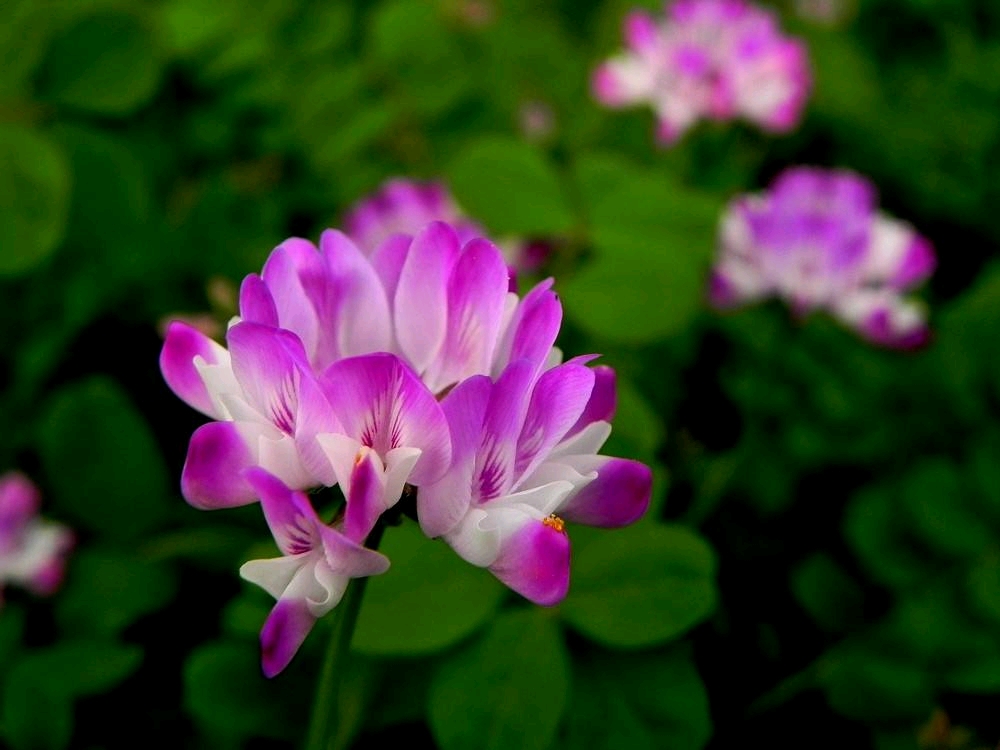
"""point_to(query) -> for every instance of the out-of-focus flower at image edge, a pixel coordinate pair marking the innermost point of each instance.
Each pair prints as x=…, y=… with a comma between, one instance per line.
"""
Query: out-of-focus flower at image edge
x=708, y=59
x=405, y=371
x=32, y=551
x=817, y=240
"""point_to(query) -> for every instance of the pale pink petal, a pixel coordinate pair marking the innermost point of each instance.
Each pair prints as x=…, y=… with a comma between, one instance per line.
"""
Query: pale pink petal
x=256, y=303
x=532, y=330
x=365, y=496
x=421, y=305
x=288, y=513
x=494, y=475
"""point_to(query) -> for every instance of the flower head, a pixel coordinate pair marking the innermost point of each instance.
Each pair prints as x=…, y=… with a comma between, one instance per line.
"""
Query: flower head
x=708, y=59
x=817, y=240
x=32, y=551
x=525, y=459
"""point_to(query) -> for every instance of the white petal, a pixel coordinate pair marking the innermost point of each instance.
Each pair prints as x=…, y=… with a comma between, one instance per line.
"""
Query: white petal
x=274, y=575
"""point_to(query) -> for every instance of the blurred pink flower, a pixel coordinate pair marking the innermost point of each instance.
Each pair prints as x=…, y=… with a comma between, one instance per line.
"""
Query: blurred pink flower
x=32, y=551
x=817, y=240
x=708, y=59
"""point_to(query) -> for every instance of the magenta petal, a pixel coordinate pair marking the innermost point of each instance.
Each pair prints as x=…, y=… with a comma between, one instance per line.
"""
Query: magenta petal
x=640, y=31
x=284, y=631
x=352, y=301
x=917, y=264
x=388, y=261
x=269, y=363
x=494, y=471
x=382, y=404
x=603, y=400
x=535, y=326
x=288, y=265
x=364, y=498
x=421, y=304
x=441, y=505
x=534, y=562
x=476, y=294
x=557, y=401
x=182, y=344
x=289, y=514
x=19, y=501
x=213, y=472
x=617, y=497
x=256, y=303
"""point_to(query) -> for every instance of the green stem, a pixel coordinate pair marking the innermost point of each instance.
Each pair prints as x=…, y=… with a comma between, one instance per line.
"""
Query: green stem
x=322, y=727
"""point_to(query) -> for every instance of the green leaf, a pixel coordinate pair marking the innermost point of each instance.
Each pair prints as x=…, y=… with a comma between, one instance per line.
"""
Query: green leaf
x=983, y=587
x=107, y=591
x=510, y=187
x=34, y=716
x=226, y=692
x=641, y=586
x=111, y=223
x=864, y=682
x=445, y=598
x=871, y=525
x=828, y=594
x=102, y=461
x=935, y=502
x=507, y=690
x=641, y=701
x=653, y=242
x=108, y=63
x=34, y=195
x=78, y=667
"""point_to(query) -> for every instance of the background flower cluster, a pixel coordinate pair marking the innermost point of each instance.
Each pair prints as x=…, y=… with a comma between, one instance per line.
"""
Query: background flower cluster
x=820, y=561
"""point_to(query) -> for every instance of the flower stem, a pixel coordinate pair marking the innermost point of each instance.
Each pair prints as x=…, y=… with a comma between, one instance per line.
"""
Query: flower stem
x=323, y=725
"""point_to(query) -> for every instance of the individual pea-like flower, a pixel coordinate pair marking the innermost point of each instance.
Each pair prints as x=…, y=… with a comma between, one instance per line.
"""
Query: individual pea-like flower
x=525, y=460
x=403, y=206
x=32, y=551
x=310, y=577
x=708, y=59
x=817, y=240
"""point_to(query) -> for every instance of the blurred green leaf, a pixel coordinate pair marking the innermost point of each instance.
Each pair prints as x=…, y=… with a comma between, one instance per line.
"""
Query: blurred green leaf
x=641, y=586
x=510, y=187
x=102, y=461
x=34, y=716
x=11, y=633
x=871, y=525
x=77, y=667
x=445, y=598
x=641, y=701
x=107, y=591
x=983, y=587
x=113, y=231
x=827, y=593
x=34, y=196
x=226, y=692
x=108, y=63
x=865, y=682
x=507, y=690
x=936, y=503
x=653, y=241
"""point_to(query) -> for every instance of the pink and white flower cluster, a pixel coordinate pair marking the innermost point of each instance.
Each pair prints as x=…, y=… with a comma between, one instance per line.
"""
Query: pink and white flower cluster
x=32, y=551
x=708, y=59
x=403, y=369
x=407, y=206
x=817, y=240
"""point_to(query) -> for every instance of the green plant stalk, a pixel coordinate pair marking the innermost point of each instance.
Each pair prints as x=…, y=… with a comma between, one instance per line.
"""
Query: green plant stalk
x=326, y=704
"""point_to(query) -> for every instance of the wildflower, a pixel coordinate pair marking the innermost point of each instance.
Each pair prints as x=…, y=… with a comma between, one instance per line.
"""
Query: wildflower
x=525, y=458
x=311, y=576
x=708, y=59
x=817, y=240
x=32, y=551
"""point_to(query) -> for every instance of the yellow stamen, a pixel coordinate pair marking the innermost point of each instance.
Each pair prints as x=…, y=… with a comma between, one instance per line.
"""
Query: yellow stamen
x=555, y=522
